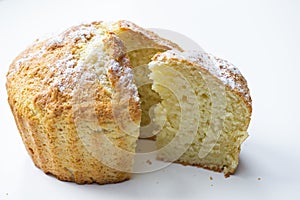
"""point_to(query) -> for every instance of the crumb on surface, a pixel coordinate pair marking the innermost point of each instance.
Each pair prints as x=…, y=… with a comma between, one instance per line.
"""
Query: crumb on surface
x=211, y=185
x=149, y=162
x=259, y=178
x=211, y=178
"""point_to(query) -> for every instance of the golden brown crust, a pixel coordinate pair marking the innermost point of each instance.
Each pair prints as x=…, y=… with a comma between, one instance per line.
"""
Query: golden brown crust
x=41, y=84
x=122, y=26
x=212, y=168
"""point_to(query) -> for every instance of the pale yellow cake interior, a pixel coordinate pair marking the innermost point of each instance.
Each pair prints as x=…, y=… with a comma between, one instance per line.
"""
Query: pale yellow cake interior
x=209, y=134
x=219, y=131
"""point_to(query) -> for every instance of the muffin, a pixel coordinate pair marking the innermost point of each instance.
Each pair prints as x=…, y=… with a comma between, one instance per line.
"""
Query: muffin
x=75, y=101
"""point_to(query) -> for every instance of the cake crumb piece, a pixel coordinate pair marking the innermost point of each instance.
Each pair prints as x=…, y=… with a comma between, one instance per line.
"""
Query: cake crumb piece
x=211, y=185
x=259, y=178
x=211, y=178
x=149, y=162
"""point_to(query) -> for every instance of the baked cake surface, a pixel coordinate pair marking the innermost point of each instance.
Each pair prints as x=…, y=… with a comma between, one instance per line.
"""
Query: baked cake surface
x=75, y=102
x=64, y=93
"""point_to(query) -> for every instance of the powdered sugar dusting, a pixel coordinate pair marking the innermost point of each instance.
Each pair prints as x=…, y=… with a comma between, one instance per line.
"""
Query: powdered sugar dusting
x=55, y=42
x=89, y=64
x=69, y=69
x=83, y=33
x=29, y=57
x=126, y=80
x=222, y=69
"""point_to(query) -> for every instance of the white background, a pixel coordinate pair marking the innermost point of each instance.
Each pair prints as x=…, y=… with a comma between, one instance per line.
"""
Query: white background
x=260, y=37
